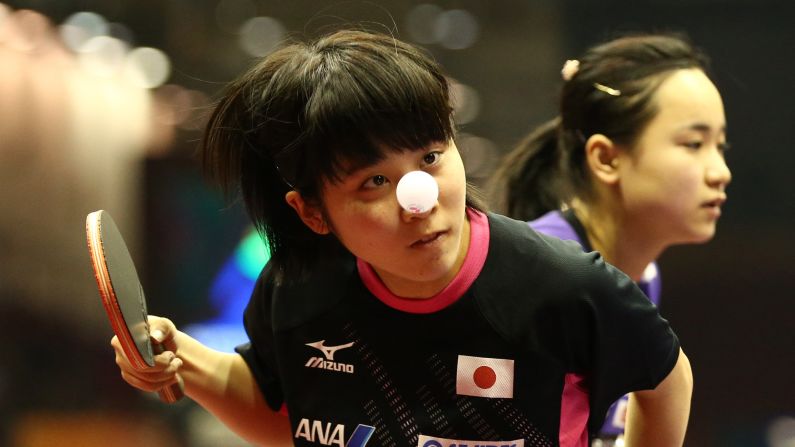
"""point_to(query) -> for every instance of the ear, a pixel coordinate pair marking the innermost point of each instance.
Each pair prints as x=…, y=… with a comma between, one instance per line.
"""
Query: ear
x=601, y=154
x=310, y=214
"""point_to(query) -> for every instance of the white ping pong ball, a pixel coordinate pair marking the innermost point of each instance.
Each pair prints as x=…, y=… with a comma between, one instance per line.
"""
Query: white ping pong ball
x=417, y=192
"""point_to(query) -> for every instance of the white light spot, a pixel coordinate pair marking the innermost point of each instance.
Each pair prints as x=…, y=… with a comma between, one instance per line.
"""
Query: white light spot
x=82, y=26
x=147, y=67
x=457, y=29
x=650, y=272
x=260, y=35
x=781, y=432
x=102, y=56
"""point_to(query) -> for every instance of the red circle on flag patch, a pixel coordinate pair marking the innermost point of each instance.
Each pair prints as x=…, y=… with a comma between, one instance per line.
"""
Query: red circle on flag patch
x=484, y=377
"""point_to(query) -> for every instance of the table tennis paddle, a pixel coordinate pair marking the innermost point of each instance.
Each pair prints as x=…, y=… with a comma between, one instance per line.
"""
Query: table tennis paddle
x=123, y=296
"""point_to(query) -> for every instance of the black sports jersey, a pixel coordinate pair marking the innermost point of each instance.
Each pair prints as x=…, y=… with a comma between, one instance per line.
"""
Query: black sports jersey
x=531, y=341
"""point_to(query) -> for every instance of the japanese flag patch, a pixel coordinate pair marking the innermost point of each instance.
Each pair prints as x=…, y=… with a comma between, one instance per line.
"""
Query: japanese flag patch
x=484, y=377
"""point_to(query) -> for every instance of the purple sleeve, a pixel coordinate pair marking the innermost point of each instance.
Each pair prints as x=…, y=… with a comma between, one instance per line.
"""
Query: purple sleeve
x=553, y=224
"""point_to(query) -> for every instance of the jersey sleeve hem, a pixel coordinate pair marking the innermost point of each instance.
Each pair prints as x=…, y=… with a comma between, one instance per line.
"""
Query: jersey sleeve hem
x=270, y=388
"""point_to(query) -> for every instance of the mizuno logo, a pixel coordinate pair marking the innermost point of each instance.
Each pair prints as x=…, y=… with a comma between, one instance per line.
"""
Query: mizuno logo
x=328, y=351
x=329, y=363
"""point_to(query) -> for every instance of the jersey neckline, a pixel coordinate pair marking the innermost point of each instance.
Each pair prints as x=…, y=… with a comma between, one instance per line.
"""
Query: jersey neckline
x=470, y=269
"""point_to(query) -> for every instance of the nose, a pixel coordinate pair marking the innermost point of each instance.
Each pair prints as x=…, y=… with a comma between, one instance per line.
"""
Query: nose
x=408, y=216
x=718, y=173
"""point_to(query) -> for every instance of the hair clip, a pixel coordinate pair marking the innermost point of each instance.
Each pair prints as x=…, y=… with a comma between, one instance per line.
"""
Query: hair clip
x=570, y=69
x=606, y=89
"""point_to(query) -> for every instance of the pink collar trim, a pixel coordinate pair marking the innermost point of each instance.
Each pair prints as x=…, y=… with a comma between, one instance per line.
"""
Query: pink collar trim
x=470, y=269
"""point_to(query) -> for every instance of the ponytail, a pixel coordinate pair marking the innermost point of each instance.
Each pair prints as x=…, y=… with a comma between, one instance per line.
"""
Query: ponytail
x=548, y=167
x=241, y=163
x=529, y=181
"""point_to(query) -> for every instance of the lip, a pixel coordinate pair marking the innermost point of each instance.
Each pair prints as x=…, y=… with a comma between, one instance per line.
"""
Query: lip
x=716, y=202
x=428, y=239
x=713, y=206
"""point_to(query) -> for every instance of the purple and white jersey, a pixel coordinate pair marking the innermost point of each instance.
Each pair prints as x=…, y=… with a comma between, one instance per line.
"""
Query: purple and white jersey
x=564, y=225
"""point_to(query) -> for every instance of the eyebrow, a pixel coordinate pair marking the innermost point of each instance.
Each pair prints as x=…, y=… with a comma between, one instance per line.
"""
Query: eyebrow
x=701, y=127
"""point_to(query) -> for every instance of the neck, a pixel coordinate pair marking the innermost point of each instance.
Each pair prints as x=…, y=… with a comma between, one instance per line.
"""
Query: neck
x=405, y=288
x=621, y=242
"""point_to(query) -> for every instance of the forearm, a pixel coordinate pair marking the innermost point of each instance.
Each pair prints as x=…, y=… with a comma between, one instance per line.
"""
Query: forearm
x=223, y=384
x=659, y=417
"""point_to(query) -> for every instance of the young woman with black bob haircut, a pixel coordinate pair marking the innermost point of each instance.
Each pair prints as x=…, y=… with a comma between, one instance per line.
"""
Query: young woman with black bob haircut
x=633, y=164
x=379, y=325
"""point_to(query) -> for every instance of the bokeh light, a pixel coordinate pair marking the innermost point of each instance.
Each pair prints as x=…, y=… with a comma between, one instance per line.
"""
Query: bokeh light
x=478, y=153
x=260, y=35
x=457, y=29
x=147, y=67
x=82, y=26
x=185, y=108
x=25, y=30
x=465, y=101
x=421, y=21
x=251, y=255
x=781, y=432
x=177, y=104
x=102, y=56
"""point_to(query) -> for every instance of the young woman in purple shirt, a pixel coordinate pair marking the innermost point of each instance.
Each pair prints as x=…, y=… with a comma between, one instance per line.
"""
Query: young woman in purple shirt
x=633, y=164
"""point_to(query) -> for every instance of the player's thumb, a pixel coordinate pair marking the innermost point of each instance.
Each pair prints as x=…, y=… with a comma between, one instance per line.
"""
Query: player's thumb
x=161, y=330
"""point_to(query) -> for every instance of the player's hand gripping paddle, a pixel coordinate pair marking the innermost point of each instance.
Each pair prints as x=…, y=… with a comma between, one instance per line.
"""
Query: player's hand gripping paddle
x=123, y=296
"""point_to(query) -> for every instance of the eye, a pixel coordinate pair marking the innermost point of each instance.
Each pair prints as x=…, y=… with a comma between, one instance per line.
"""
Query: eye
x=431, y=158
x=724, y=147
x=693, y=144
x=374, y=182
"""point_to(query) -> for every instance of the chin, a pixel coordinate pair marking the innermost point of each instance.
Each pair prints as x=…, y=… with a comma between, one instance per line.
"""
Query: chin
x=691, y=234
x=434, y=273
x=701, y=237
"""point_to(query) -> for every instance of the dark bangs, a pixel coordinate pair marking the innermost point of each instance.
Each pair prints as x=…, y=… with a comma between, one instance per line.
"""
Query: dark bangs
x=363, y=102
x=313, y=112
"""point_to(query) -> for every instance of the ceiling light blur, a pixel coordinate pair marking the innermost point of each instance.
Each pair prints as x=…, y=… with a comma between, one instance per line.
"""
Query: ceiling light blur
x=261, y=35
x=82, y=26
x=457, y=29
x=147, y=67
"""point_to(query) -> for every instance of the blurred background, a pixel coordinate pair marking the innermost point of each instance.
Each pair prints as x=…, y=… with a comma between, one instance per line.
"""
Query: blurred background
x=101, y=106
